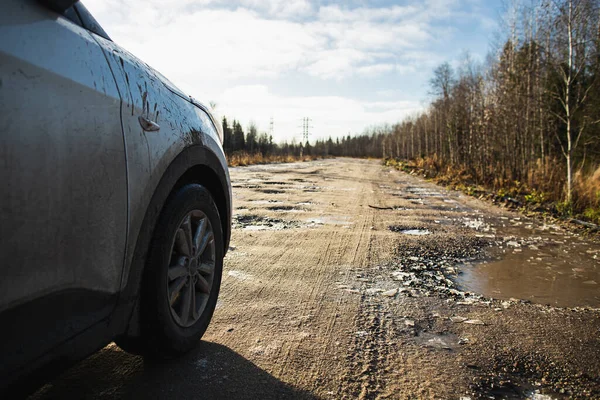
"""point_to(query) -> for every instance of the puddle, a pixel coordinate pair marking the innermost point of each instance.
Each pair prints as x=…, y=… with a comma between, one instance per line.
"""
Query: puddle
x=410, y=231
x=547, y=268
x=416, y=232
x=258, y=223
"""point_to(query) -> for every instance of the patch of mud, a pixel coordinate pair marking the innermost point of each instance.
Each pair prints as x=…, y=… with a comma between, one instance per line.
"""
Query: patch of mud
x=515, y=376
x=411, y=231
x=311, y=189
x=276, y=183
x=245, y=186
x=280, y=208
x=283, y=208
x=270, y=191
x=266, y=201
x=258, y=223
x=427, y=267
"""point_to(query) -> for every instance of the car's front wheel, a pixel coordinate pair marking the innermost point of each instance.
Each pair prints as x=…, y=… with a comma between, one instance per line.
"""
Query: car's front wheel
x=182, y=277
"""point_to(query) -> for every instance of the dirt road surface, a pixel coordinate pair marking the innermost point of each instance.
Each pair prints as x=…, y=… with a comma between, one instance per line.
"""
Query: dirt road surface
x=344, y=281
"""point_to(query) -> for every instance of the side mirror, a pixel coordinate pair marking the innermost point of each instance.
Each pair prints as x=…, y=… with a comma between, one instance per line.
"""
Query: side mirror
x=58, y=5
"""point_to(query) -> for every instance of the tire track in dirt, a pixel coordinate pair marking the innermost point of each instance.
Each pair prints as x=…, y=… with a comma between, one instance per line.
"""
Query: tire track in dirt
x=306, y=271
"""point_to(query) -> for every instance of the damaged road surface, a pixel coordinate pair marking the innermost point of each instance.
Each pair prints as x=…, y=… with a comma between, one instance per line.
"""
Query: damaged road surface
x=346, y=279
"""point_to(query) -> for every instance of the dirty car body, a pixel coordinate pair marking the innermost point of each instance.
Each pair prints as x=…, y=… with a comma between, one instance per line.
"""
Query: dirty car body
x=94, y=144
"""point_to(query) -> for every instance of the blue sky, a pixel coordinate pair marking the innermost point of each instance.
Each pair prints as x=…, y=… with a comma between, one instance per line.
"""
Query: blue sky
x=346, y=65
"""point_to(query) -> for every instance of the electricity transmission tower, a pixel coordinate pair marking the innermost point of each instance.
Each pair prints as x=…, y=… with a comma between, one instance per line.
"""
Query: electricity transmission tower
x=271, y=127
x=306, y=129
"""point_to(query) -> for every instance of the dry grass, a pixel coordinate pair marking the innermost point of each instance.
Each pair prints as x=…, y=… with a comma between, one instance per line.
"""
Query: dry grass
x=543, y=187
x=241, y=159
x=586, y=190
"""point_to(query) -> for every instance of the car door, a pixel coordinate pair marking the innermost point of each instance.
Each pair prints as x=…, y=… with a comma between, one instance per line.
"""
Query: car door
x=158, y=123
x=63, y=205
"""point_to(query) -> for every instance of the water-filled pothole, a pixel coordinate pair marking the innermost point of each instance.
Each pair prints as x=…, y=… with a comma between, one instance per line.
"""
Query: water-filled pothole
x=410, y=231
x=553, y=268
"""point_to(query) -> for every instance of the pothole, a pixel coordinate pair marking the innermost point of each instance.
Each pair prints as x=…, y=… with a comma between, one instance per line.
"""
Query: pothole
x=271, y=191
x=416, y=232
x=245, y=186
x=410, y=231
x=427, y=267
x=258, y=223
x=266, y=201
x=312, y=189
x=290, y=209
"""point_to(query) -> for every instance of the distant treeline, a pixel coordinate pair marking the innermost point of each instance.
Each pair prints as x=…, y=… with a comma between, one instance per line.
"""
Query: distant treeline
x=528, y=117
x=251, y=142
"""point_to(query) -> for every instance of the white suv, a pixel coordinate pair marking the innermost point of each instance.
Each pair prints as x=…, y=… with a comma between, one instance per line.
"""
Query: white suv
x=115, y=210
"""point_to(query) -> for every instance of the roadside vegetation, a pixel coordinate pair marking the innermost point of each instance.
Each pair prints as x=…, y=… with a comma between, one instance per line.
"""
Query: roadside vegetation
x=524, y=125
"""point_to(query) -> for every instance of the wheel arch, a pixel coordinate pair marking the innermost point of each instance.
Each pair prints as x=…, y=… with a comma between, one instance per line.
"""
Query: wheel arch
x=205, y=176
x=195, y=164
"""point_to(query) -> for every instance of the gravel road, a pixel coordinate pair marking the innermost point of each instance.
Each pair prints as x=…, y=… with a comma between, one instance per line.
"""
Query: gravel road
x=343, y=281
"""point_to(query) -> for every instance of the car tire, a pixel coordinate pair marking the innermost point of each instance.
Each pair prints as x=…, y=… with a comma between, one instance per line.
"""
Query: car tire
x=180, y=284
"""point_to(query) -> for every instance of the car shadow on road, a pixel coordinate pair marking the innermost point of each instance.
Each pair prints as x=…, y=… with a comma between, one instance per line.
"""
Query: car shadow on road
x=212, y=371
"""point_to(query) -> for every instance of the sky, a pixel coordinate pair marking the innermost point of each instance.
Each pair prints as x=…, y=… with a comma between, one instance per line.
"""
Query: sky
x=346, y=65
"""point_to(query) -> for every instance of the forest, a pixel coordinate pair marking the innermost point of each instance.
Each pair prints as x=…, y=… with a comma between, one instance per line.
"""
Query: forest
x=525, y=122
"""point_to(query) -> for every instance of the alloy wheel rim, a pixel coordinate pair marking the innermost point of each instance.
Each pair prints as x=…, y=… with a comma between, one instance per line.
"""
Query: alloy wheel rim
x=191, y=268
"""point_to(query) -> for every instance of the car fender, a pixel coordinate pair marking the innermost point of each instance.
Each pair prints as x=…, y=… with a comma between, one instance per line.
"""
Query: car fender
x=198, y=164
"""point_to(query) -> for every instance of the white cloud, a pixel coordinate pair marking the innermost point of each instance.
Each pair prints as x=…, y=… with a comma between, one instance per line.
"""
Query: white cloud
x=376, y=69
x=219, y=49
x=247, y=41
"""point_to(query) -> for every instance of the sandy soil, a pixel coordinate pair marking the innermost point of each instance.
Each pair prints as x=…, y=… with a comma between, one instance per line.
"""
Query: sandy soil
x=321, y=299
